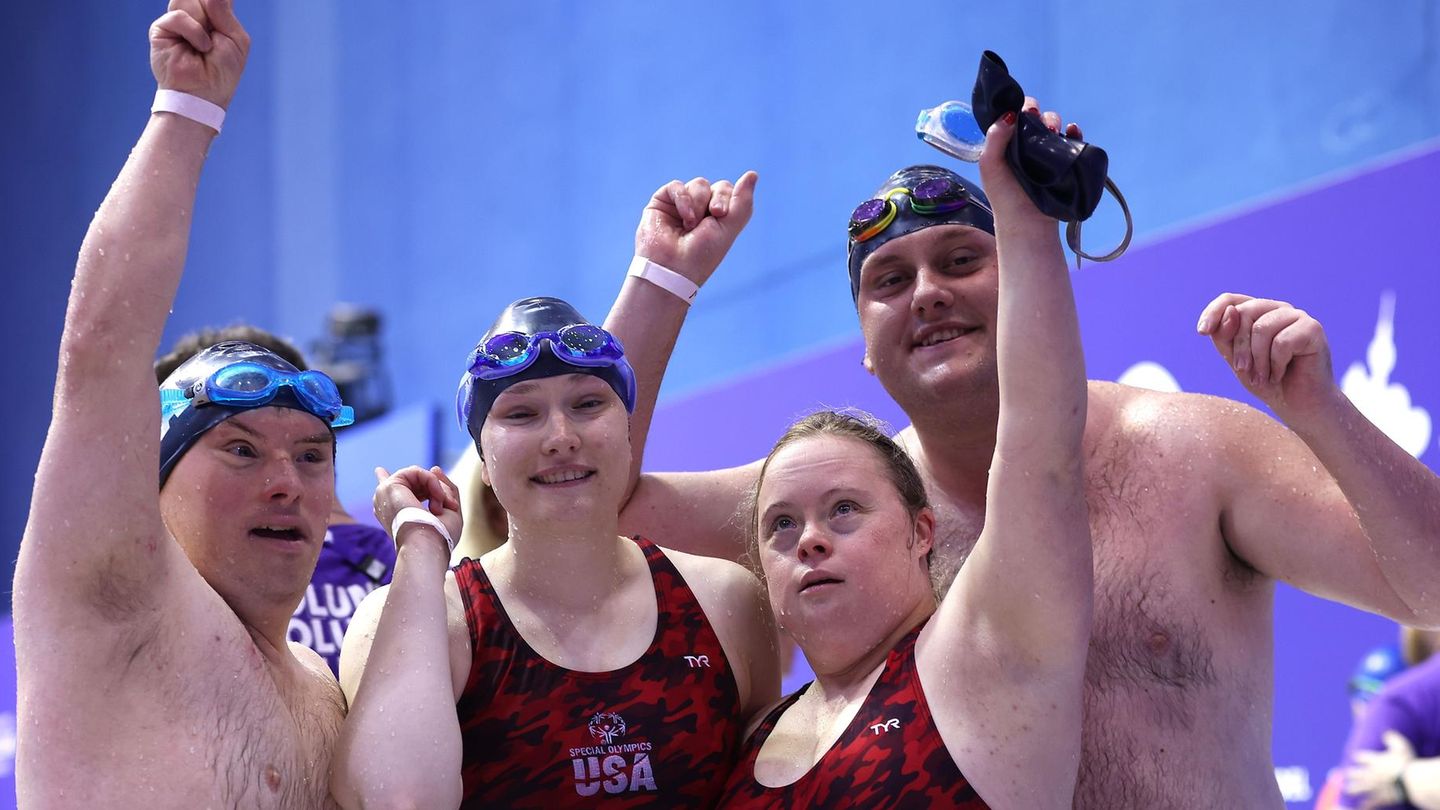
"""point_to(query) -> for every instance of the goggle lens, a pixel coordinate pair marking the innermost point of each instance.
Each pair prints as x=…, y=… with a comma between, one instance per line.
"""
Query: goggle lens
x=319, y=387
x=938, y=195
x=873, y=217
x=951, y=128
x=241, y=378
x=584, y=340
x=508, y=349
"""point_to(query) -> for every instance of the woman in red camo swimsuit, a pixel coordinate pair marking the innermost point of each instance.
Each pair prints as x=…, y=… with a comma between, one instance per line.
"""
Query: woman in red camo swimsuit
x=570, y=666
x=974, y=701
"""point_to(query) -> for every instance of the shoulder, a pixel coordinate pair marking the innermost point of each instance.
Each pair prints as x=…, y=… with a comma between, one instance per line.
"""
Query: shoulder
x=1413, y=689
x=322, y=691
x=735, y=605
x=714, y=579
x=312, y=663
x=1176, y=419
x=731, y=597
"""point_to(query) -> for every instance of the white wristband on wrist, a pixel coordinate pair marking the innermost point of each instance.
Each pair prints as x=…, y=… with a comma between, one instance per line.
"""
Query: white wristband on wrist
x=664, y=278
x=187, y=106
x=414, y=514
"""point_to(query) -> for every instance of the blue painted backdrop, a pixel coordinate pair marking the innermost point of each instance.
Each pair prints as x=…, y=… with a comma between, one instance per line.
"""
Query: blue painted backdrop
x=439, y=160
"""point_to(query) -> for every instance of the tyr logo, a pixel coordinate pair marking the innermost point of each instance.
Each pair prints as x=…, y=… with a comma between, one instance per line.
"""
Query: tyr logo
x=893, y=724
x=697, y=661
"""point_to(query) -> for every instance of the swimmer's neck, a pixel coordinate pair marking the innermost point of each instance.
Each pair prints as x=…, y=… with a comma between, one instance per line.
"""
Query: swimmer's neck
x=847, y=677
x=952, y=458
x=573, y=568
x=268, y=628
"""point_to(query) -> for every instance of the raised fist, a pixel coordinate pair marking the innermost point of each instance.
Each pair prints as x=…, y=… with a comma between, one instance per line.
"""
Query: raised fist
x=1005, y=193
x=689, y=227
x=428, y=489
x=199, y=47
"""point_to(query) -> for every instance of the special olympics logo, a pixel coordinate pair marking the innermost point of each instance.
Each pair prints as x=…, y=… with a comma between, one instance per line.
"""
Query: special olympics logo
x=606, y=726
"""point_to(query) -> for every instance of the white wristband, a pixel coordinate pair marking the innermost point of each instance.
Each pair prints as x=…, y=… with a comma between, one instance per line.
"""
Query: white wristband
x=414, y=514
x=188, y=106
x=664, y=278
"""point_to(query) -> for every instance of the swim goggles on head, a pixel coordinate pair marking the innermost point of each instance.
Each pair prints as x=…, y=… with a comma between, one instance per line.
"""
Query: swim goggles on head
x=938, y=195
x=251, y=385
x=509, y=353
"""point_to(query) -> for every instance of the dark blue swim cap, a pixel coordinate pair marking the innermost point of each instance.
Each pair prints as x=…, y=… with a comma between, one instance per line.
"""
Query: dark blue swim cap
x=1378, y=666
x=907, y=221
x=182, y=429
x=530, y=316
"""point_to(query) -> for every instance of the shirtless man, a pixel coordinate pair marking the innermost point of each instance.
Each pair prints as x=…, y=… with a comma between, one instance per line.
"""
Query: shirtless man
x=1197, y=504
x=150, y=629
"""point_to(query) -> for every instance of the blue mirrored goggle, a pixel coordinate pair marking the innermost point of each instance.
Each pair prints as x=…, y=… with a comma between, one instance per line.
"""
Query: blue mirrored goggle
x=508, y=353
x=951, y=128
x=251, y=385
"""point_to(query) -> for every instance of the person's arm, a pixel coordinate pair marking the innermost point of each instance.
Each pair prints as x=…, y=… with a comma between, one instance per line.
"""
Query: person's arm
x=402, y=665
x=1027, y=585
x=1332, y=505
x=94, y=539
x=696, y=512
x=1392, y=776
x=687, y=228
x=1008, y=645
x=1422, y=783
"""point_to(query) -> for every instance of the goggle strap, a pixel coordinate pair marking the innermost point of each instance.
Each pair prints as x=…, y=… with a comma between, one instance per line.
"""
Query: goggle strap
x=173, y=399
x=930, y=210
x=1072, y=231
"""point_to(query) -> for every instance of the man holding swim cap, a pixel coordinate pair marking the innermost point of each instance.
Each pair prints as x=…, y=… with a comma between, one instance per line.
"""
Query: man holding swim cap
x=170, y=537
x=1198, y=504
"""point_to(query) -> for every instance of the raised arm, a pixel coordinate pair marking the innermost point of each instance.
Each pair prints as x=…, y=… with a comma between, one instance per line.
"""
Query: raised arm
x=1332, y=505
x=404, y=663
x=687, y=228
x=95, y=518
x=1006, y=657
x=1027, y=585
